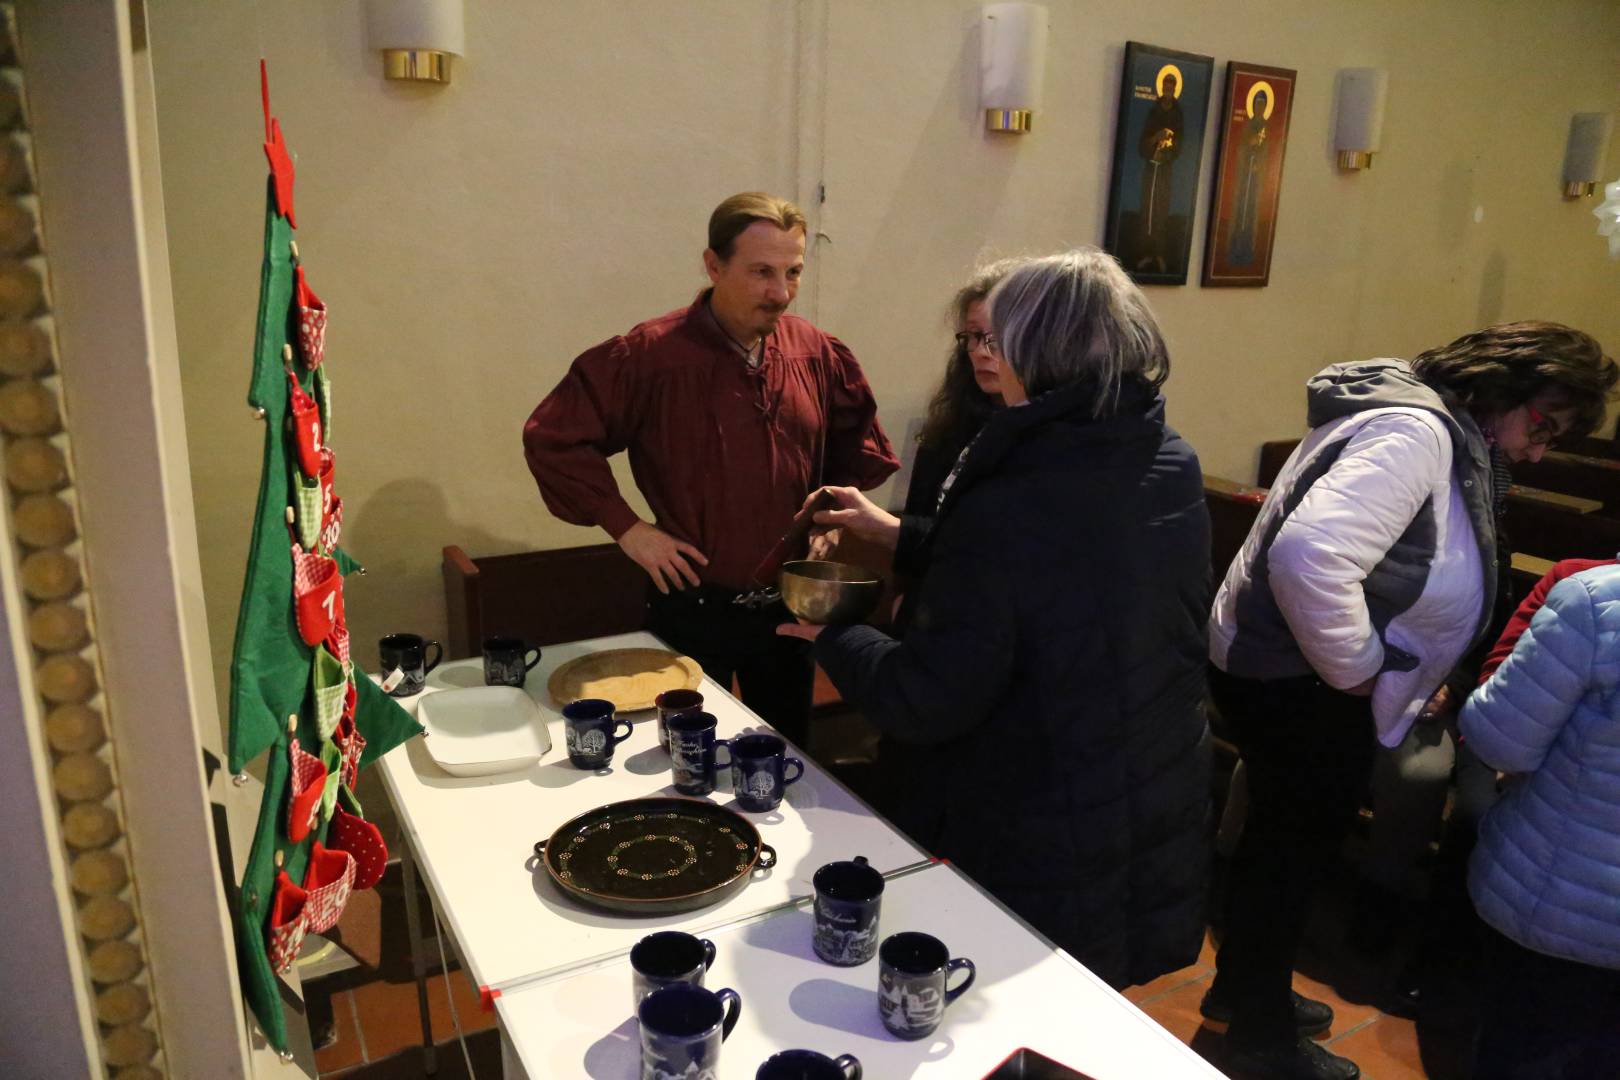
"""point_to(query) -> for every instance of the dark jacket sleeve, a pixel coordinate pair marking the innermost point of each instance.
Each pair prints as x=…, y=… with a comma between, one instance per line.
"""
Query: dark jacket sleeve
x=858, y=453
x=928, y=472
x=571, y=434
x=956, y=660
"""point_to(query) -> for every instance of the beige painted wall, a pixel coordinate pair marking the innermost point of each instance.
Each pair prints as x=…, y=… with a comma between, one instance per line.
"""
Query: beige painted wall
x=471, y=240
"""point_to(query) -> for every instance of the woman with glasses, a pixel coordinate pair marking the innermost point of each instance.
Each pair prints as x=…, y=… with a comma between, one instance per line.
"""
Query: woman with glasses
x=967, y=396
x=1048, y=688
x=1371, y=573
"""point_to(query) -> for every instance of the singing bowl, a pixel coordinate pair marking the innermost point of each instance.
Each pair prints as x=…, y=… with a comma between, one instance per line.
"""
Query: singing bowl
x=829, y=593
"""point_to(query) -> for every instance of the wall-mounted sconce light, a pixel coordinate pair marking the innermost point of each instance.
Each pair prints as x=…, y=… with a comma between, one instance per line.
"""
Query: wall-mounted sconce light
x=1361, y=116
x=1012, y=64
x=416, y=37
x=1583, y=156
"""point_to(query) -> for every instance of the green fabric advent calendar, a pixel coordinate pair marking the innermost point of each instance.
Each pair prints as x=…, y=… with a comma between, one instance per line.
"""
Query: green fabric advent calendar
x=295, y=691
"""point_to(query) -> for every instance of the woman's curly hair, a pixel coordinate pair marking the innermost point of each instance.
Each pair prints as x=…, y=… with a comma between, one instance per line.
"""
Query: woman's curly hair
x=1499, y=368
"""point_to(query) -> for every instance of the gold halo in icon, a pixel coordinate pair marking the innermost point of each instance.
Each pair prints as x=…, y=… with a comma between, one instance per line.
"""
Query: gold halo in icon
x=1261, y=87
x=1169, y=69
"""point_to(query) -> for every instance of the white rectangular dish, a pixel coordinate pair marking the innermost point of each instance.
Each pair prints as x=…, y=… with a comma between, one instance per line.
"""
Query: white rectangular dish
x=482, y=730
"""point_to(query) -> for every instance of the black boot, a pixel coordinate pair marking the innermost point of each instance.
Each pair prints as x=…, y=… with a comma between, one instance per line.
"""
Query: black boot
x=1310, y=1017
x=1300, y=1060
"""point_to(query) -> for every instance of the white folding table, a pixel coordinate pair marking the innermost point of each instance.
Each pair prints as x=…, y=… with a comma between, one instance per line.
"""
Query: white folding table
x=473, y=837
x=1026, y=994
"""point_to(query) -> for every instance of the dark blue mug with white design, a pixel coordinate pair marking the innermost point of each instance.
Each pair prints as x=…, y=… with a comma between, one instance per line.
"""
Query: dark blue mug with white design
x=591, y=731
x=666, y=958
x=682, y=1027
x=913, y=970
x=809, y=1065
x=759, y=771
x=692, y=752
x=848, y=898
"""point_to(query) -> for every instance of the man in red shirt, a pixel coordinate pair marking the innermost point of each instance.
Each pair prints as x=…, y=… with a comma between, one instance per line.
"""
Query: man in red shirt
x=732, y=412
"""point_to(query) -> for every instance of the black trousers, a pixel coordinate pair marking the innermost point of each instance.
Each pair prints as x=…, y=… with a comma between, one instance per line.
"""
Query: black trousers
x=1308, y=752
x=776, y=674
x=1545, y=1018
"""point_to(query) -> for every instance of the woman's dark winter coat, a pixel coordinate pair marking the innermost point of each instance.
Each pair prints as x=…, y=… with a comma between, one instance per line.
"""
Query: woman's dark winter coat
x=1049, y=688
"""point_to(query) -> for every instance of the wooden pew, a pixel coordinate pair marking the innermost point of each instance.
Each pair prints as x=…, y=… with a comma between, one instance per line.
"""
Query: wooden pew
x=543, y=597
x=1596, y=478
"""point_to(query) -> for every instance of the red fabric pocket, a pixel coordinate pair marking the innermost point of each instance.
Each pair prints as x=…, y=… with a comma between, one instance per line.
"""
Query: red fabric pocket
x=362, y=840
x=306, y=426
x=287, y=924
x=311, y=314
x=351, y=744
x=327, y=882
x=318, y=593
x=331, y=524
x=305, y=785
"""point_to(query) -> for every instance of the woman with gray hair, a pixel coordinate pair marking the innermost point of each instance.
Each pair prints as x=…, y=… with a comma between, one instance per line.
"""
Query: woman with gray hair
x=1049, y=685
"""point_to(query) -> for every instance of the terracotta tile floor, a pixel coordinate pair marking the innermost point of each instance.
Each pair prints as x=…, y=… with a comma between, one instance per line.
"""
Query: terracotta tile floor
x=378, y=1020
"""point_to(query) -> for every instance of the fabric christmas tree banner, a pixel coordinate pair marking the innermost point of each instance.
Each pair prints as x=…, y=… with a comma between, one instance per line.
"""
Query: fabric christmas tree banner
x=294, y=689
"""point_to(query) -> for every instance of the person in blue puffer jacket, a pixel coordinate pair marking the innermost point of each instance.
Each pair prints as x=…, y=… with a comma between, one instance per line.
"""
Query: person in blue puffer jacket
x=1546, y=874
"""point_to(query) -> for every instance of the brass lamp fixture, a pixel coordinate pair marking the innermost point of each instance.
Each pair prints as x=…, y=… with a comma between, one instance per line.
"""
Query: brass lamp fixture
x=1012, y=64
x=417, y=38
x=1360, y=127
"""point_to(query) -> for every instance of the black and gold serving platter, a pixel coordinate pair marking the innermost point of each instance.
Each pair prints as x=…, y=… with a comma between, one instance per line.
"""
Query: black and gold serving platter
x=655, y=856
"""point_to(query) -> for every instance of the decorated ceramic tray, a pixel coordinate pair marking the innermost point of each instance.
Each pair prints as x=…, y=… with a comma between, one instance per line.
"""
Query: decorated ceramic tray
x=630, y=678
x=655, y=856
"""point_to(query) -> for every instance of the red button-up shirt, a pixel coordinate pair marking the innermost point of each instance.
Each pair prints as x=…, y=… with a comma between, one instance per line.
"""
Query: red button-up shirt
x=725, y=453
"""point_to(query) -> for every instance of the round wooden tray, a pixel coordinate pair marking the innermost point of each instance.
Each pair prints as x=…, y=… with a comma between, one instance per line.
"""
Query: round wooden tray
x=630, y=678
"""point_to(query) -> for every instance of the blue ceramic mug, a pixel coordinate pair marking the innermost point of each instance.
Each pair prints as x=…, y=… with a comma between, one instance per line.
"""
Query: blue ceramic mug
x=666, y=958
x=759, y=771
x=507, y=661
x=913, y=970
x=682, y=1027
x=848, y=898
x=809, y=1065
x=591, y=731
x=673, y=703
x=692, y=751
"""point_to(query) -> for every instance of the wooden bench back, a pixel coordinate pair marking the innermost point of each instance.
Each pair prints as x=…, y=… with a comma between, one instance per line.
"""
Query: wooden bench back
x=543, y=597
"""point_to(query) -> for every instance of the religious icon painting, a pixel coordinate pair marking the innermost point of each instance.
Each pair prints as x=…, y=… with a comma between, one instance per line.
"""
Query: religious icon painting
x=1159, y=139
x=1248, y=174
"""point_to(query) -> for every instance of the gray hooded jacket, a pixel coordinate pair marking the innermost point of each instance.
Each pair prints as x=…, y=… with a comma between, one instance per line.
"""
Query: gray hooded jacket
x=1374, y=555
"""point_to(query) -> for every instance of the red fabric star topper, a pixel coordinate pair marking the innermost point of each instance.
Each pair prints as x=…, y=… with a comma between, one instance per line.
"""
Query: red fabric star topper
x=275, y=148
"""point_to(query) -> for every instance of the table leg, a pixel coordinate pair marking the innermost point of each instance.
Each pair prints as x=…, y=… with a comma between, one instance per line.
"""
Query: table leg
x=419, y=964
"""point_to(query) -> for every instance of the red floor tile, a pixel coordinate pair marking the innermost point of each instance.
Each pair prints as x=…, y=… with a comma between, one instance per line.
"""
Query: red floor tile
x=1386, y=1049
x=346, y=1050
x=389, y=1017
x=1177, y=1011
x=391, y=1020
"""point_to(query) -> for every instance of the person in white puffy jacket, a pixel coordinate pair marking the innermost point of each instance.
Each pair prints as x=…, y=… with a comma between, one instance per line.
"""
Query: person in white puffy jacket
x=1368, y=575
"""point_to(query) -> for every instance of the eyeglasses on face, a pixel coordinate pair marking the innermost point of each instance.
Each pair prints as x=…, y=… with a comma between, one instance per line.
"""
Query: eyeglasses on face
x=970, y=340
x=1542, y=430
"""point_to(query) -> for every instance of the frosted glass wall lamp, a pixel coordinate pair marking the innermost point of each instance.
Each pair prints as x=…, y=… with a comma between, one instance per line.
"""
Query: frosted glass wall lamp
x=417, y=38
x=1583, y=156
x=1361, y=116
x=1012, y=64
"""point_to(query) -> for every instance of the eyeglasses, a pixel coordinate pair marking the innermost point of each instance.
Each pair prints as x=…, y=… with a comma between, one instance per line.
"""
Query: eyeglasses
x=970, y=340
x=1542, y=430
